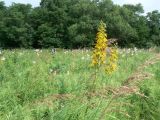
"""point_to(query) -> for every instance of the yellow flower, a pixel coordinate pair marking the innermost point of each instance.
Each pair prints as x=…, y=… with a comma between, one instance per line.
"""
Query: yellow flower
x=99, y=53
x=112, y=65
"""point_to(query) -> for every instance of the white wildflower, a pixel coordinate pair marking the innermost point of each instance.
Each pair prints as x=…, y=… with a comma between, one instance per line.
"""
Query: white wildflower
x=132, y=53
x=37, y=54
x=36, y=50
x=51, y=70
x=3, y=58
x=67, y=72
x=88, y=55
x=82, y=58
x=123, y=55
x=128, y=51
x=34, y=62
x=65, y=52
x=135, y=49
x=20, y=54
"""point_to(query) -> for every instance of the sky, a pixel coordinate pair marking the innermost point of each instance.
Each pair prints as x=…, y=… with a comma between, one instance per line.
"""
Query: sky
x=35, y=3
x=149, y=5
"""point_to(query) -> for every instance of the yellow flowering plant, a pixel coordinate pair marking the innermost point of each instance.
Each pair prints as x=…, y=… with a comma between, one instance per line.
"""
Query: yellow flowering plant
x=113, y=59
x=100, y=52
x=101, y=60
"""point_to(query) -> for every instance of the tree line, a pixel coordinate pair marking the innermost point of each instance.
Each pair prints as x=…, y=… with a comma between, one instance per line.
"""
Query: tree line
x=73, y=24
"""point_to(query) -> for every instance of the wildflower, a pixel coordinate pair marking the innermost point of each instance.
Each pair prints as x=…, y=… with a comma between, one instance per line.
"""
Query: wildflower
x=102, y=51
x=51, y=70
x=135, y=49
x=3, y=58
x=128, y=51
x=20, y=54
x=82, y=58
x=37, y=50
x=68, y=73
x=123, y=55
x=112, y=65
x=88, y=57
x=132, y=53
x=87, y=51
x=65, y=52
x=99, y=53
x=55, y=72
x=34, y=62
x=37, y=54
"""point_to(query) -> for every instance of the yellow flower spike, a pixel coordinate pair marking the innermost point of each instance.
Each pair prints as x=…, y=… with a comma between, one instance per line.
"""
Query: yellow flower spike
x=112, y=65
x=99, y=53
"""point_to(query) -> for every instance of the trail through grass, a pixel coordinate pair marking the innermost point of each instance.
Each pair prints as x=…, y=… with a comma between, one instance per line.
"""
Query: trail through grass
x=37, y=85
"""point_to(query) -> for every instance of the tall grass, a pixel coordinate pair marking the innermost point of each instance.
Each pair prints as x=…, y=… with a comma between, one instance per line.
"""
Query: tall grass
x=39, y=85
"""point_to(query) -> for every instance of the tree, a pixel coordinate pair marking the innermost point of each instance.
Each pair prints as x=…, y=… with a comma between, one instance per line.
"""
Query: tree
x=73, y=23
x=56, y=19
x=17, y=32
x=154, y=25
x=2, y=26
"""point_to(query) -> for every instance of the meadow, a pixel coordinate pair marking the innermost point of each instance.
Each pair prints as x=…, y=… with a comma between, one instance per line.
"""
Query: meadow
x=39, y=85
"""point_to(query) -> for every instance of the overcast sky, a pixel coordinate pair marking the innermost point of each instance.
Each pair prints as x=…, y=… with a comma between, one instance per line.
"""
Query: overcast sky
x=149, y=5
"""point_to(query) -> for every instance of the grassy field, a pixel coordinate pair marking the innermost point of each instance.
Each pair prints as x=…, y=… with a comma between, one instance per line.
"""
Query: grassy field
x=37, y=85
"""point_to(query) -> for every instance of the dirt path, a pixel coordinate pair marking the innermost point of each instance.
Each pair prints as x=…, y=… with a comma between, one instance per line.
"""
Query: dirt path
x=139, y=74
x=130, y=84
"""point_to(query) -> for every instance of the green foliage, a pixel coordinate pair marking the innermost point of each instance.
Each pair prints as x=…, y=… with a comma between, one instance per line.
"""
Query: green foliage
x=154, y=24
x=73, y=24
x=36, y=85
x=15, y=31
